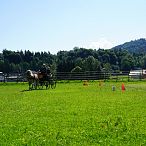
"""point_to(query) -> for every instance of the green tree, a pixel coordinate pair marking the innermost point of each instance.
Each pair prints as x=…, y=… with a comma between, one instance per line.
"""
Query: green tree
x=107, y=67
x=144, y=62
x=1, y=66
x=127, y=62
x=91, y=64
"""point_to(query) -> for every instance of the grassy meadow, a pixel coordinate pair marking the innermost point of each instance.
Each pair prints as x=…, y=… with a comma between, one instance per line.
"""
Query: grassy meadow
x=73, y=114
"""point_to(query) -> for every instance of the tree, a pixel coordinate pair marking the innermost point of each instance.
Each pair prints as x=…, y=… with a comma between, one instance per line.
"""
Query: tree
x=127, y=62
x=1, y=66
x=144, y=62
x=91, y=64
x=6, y=67
x=107, y=67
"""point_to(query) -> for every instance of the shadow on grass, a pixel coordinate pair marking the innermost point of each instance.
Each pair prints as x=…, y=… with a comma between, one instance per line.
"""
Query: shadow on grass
x=26, y=90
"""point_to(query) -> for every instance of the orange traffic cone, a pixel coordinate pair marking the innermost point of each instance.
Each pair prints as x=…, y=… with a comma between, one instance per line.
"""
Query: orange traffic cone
x=123, y=87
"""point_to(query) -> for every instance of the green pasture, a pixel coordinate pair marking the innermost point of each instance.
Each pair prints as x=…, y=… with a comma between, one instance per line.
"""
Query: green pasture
x=73, y=114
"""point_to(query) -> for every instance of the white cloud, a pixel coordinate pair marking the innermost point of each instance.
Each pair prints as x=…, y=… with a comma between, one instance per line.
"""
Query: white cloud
x=101, y=43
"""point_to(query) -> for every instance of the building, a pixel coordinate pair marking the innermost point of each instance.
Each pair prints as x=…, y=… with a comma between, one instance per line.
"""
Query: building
x=138, y=74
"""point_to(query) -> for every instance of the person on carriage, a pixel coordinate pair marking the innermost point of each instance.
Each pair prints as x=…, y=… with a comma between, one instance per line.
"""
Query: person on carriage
x=45, y=72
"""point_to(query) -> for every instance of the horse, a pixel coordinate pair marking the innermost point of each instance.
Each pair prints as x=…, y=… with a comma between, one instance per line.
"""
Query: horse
x=32, y=79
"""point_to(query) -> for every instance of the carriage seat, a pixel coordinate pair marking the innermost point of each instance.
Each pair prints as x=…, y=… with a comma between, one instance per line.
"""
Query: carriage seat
x=44, y=76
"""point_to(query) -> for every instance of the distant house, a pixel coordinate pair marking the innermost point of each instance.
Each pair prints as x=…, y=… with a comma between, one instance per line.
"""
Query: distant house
x=138, y=74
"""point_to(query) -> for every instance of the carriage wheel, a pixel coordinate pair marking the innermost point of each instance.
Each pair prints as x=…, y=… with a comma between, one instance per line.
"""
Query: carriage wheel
x=41, y=85
x=53, y=84
x=47, y=84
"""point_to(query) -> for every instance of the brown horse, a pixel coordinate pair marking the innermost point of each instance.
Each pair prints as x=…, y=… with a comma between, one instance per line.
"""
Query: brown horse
x=32, y=79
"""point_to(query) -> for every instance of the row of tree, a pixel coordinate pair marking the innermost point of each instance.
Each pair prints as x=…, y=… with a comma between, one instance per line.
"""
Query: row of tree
x=78, y=59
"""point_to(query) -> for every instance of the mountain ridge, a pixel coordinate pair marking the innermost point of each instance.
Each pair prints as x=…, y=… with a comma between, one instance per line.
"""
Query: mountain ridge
x=133, y=46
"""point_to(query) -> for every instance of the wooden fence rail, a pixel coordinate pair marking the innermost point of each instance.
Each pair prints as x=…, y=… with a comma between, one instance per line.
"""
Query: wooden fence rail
x=89, y=75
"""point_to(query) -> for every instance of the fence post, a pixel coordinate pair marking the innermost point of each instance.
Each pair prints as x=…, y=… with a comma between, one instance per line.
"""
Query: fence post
x=4, y=78
x=128, y=77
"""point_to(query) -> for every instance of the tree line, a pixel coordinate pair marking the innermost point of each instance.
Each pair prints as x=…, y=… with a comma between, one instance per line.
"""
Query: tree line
x=75, y=60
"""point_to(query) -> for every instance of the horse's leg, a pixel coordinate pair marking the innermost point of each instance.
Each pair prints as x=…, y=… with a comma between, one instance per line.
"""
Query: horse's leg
x=32, y=84
x=46, y=84
x=40, y=82
x=29, y=85
x=35, y=84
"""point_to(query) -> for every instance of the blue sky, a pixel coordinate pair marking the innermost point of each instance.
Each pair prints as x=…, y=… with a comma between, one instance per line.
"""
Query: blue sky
x=54, y=25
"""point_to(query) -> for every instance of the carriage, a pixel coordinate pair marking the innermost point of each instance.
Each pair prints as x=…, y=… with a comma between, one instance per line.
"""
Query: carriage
x=39, y=80
x=47, y=80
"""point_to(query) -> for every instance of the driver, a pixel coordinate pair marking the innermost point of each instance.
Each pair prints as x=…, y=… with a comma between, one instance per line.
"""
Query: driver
x=45, y=71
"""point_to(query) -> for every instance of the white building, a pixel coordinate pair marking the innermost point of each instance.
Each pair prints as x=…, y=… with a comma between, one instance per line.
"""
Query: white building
x=137, y=74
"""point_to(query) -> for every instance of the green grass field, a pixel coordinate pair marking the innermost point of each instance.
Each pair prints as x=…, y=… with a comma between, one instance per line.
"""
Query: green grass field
x=73, y=114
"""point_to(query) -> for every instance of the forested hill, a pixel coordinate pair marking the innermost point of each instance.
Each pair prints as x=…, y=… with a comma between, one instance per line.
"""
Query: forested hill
x=124, y=57
x=137, y=46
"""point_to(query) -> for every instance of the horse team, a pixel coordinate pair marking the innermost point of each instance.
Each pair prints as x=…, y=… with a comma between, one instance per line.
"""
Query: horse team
x=37, y=79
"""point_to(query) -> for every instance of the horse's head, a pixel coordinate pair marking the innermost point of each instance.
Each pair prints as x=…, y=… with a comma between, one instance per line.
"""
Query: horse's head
x=29, y=74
